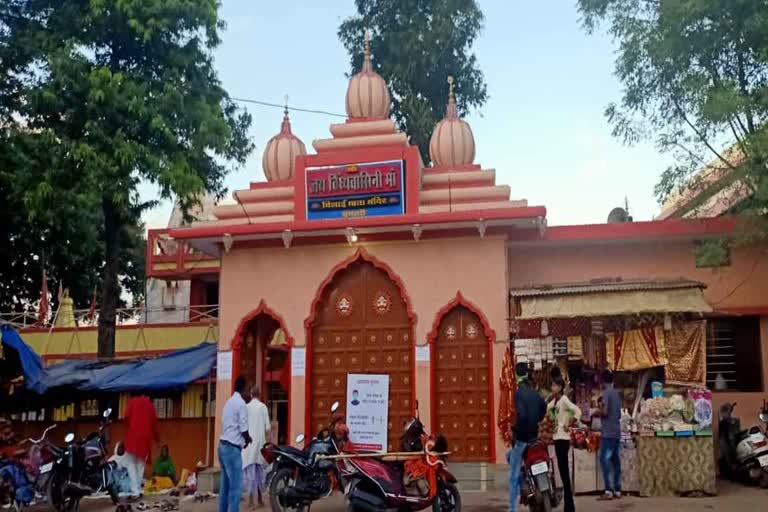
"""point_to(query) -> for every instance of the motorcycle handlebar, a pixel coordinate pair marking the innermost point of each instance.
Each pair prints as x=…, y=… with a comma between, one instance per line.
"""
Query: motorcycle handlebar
x=42, y=438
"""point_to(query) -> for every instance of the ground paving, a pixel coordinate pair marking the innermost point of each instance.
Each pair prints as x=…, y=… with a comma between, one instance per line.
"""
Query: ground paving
x=731, y=498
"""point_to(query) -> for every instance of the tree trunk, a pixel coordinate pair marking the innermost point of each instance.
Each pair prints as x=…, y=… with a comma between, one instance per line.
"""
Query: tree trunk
x=110, y=289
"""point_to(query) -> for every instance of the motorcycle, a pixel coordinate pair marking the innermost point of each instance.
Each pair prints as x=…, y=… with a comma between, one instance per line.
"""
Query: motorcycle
x=537, y=489
x=24, y=479
x=300, y=477
x=743, y=453
x=81, y=470
x=375, y=483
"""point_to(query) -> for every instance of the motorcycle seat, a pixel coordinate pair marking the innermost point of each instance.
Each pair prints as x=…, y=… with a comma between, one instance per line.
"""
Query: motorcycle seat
x=294, y=452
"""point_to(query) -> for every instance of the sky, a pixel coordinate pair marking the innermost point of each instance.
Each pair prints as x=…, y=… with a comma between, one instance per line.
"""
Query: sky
x=542, y=129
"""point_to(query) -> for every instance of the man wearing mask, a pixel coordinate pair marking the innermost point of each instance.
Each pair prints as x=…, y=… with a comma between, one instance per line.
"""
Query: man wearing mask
x=531, y=409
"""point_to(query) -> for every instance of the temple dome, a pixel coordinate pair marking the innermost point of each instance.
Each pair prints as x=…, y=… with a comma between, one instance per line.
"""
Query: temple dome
x=452, y=143
x=281, y=151
x=367, y=93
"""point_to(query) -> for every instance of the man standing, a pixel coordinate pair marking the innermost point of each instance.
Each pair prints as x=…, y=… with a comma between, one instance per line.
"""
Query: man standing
x=234, y=436
x=530, y=408
x=254, y=464
x=610, y=440
x=142, y=432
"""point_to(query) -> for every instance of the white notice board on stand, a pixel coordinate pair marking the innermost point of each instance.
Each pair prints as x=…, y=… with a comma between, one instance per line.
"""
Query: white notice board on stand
x=368, y=411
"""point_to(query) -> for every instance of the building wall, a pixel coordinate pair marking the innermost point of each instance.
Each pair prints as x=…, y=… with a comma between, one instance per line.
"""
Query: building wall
x=158, y=311
x=431, y=271
x=737, y=288
x=62, y=343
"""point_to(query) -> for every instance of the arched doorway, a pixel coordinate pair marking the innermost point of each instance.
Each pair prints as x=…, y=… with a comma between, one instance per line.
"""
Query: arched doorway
x=262, y=356
x=360, y=324
x=462, y=393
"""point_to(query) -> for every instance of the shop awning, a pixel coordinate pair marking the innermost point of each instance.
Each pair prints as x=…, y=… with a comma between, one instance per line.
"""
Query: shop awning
x=611, y=298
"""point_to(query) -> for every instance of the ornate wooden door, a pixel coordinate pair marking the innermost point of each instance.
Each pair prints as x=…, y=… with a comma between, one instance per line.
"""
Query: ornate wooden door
x=361, y=326
x=462, y=385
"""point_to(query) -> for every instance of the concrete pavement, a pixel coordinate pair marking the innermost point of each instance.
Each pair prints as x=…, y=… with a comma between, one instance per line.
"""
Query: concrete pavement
x=731, y=498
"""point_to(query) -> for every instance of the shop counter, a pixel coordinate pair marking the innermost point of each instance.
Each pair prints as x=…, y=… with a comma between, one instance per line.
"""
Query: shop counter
x=673, y=466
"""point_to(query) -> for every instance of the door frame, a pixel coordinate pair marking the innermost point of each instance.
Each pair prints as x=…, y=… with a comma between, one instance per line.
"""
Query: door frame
x=242, y=331
x=490, y=336
x=359, y=254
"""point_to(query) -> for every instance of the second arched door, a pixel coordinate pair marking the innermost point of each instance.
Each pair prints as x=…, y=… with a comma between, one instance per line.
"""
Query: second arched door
x=461, y=394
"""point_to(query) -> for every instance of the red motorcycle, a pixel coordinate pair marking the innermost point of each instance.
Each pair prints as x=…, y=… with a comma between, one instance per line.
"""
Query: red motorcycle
x=378, y=483
x=537, y=489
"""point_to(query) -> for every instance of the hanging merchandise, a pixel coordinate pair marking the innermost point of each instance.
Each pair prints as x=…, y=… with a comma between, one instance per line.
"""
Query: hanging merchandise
x=575, y=348
x=636, y=349
x=508, y=386
x=536, y=351
x=686, y=347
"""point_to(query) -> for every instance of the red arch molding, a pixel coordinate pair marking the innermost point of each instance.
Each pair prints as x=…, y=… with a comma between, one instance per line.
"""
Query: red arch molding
x=360, y=254
x=490, y=335
x=237, y=341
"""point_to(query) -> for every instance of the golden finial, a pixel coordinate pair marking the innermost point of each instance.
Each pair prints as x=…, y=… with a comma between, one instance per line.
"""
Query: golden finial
x=450, y=109
x=367, y=66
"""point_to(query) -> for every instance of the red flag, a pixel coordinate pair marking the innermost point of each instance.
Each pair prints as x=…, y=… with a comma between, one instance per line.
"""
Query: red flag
x=44, y=306
x=92, y=308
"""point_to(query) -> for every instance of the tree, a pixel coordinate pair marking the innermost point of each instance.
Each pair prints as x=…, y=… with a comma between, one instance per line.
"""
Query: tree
x=101, y=95
x=66, y=243
x=416, y=45
x=695, y=77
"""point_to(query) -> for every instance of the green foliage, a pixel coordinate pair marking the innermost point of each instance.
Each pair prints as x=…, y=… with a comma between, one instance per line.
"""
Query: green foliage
x=416, y=45
x=712, y=254
x=101, y=95
x=695, y=76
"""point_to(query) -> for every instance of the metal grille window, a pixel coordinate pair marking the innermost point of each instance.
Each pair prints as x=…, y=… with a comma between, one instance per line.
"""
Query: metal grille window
x=733, y=354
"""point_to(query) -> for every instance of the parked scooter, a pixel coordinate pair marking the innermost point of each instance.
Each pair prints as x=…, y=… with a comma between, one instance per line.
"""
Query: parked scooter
x=537, y=490
x=743, y=453
x=378, y=485
x=82, y=470
x=299, y=477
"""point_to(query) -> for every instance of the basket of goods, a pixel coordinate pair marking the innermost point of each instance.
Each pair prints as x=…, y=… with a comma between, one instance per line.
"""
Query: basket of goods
x=547, y=429
x=593, y=441
x=579, y=438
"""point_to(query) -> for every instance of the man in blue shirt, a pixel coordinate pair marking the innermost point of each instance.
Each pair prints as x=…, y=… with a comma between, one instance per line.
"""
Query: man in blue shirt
x=610, y=440
x=530, y=409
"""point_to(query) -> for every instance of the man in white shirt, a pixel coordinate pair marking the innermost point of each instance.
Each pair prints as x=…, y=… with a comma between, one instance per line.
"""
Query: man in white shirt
x=254, y=465
x=234, y=437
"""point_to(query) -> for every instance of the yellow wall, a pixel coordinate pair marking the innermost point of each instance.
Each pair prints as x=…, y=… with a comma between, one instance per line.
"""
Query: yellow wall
x=61, y=343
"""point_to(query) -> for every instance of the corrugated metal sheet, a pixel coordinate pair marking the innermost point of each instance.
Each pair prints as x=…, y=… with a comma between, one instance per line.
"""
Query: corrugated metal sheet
x=607, y=285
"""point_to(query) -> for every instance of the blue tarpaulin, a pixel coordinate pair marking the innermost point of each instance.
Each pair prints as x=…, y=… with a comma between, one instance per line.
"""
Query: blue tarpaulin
x=31, y=364
x=169, y=371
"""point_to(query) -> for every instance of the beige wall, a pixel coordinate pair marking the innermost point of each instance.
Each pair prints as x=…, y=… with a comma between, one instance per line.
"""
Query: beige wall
x=432, y=272
x=568, y=263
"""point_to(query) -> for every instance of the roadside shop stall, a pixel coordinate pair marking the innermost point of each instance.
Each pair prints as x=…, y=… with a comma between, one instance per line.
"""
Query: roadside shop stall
x=652, y=336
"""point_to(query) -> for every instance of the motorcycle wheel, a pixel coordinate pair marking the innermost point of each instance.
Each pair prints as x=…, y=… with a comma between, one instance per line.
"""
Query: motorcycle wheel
x=280, y=480
x=54, y=497
x=542, y=501
x=764, y=480
x=8, y=496
x=448, y=499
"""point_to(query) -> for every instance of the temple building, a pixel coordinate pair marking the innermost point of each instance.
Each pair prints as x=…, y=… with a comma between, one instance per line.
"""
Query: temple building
x=356, y=257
